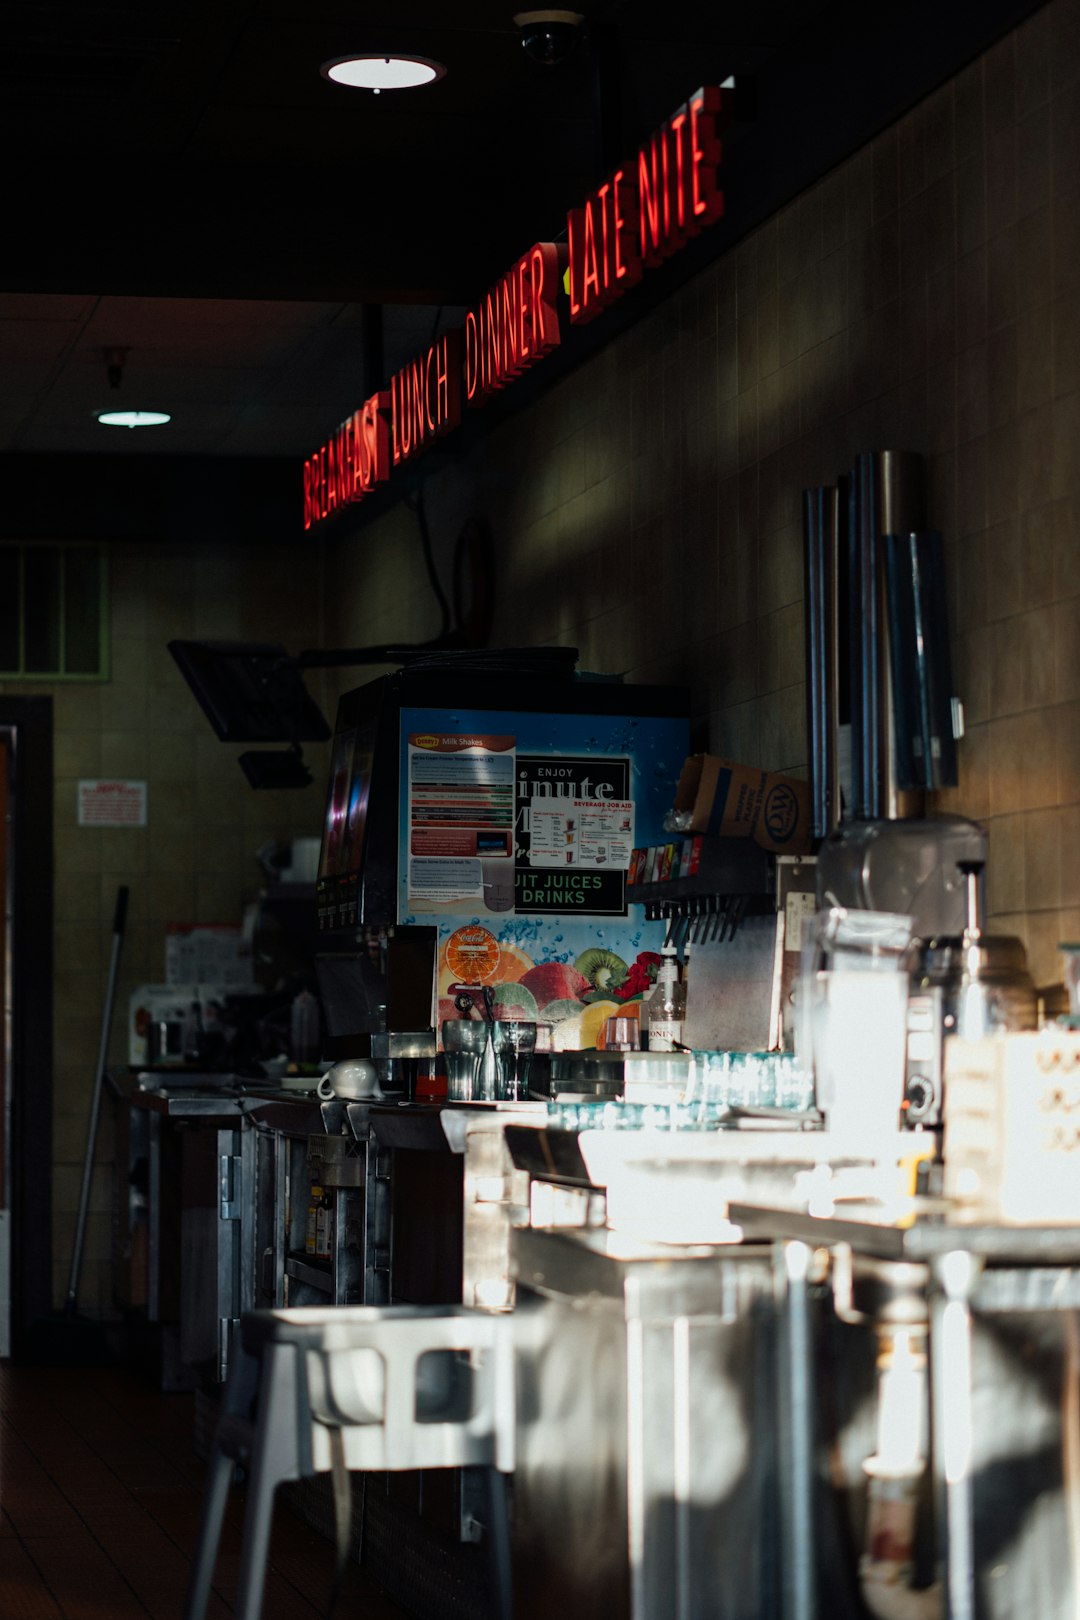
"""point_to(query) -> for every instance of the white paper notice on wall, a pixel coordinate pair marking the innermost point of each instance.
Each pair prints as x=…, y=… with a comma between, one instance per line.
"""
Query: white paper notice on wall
x=109, y=803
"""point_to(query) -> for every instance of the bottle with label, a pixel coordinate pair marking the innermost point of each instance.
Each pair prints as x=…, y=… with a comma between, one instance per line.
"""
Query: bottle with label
x=324, y=1226
x=311, y=1232
x=666, y=1006
x=318, y=1240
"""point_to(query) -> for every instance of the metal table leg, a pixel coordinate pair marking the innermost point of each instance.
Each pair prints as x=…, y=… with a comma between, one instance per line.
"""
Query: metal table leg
x=953, y=1277
x=796, y=1430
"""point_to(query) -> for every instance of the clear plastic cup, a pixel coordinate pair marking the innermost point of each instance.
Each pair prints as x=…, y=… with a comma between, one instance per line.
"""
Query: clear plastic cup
x=468, y=1077
x=514, y=1040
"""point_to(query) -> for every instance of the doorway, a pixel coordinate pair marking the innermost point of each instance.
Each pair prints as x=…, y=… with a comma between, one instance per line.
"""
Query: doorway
x=26, y=1034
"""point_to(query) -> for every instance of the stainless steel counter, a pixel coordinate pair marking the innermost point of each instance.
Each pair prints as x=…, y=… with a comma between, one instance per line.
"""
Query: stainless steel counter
x=934, y=1230
x=645, y=1451
x=999, y=1306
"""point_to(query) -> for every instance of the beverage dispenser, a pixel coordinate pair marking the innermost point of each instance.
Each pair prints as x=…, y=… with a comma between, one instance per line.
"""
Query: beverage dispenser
x=481, y=814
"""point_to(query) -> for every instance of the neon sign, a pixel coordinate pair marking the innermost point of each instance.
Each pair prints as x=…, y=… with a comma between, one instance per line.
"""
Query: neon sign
x=348, y=466
x=514, y=325
x=425, y=397
x=645, y=211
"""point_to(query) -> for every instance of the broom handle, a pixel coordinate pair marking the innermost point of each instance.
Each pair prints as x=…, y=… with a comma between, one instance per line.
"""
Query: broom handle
x=119, y=918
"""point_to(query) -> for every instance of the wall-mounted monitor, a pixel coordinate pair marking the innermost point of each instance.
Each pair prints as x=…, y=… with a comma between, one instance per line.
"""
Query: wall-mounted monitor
x=250, y=691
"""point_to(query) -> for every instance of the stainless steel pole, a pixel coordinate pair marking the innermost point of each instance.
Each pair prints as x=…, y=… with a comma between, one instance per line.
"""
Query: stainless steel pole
x=796, y=1435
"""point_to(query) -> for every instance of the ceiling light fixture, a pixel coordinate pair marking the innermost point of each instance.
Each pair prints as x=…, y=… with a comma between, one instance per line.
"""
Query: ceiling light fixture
x=133, y=419
x=369, y=71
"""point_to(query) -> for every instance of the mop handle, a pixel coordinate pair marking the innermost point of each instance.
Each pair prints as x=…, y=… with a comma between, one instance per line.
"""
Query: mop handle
x=119, y=918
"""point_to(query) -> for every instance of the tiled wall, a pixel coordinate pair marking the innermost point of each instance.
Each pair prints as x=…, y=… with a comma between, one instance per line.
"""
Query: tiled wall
x=195, y=859
x=923, y=296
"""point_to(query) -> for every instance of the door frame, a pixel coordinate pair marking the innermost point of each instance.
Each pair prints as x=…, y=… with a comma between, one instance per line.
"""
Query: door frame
x=30, y=1076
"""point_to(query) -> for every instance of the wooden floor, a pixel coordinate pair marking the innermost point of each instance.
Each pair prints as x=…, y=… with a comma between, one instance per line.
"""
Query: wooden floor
x=100, y=1495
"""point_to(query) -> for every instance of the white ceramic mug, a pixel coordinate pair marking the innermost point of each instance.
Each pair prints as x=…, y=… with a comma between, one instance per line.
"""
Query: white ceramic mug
x=355, y=1079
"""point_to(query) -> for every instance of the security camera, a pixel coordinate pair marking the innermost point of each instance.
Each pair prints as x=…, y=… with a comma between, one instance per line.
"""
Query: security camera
x=549, y=36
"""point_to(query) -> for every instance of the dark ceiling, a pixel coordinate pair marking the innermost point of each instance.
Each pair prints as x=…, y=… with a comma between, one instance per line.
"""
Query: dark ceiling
x=182, y=182
x=189, y=146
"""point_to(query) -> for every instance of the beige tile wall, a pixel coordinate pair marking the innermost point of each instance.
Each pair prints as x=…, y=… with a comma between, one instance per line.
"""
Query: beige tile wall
x=925, y=296
x=195, y=859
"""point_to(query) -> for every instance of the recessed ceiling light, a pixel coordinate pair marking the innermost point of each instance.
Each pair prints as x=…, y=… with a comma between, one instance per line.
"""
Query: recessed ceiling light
x=133, y=419
x=369, y=71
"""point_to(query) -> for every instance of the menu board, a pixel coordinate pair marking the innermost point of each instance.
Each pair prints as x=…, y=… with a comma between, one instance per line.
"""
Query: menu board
x=460, y=810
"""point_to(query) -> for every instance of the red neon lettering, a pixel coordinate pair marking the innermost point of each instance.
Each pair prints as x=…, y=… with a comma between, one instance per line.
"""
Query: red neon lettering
x=348, y=465
x=590, y=275
x=526, y=330
x=707, y=106
x=404, y=425
x=366, y=459
x=536, y=302
x=432, y=421
x=649, y=201
x=508, y=303
x=344, y=463
x=665, y=190
x=544, y=291
x=375, y=440
x=331, y=477
x=513, y=325
x=584, y=274
x=627, y=255
x=573, y=231
x=442, y=383
x=415, y=410
x=602, y=194
x=452, y=379
x=678, y=125
x=472, y=378
x=494, y=346
x=360, y=467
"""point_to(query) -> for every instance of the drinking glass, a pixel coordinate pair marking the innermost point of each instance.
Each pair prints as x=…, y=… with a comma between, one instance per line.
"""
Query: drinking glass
x=464, y=1048
x=515, y=1041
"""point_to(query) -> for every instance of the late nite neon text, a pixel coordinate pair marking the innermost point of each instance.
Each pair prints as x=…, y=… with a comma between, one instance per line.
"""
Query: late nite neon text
x=646, y=210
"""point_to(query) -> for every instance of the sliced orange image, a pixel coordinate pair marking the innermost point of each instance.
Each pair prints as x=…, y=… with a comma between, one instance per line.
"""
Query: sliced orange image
x=513, y=962
x=471, y=955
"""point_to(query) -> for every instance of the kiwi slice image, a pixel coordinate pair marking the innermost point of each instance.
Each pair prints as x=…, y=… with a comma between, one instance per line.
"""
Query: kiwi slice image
x=603, y=969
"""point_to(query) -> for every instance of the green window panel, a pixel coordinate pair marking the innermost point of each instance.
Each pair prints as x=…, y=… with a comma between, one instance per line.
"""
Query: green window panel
x=53, y=612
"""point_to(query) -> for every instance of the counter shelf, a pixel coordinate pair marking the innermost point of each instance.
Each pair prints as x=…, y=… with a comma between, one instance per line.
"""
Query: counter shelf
x=935, y=1230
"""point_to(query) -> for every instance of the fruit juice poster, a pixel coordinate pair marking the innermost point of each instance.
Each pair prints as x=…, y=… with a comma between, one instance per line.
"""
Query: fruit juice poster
x=545, y=921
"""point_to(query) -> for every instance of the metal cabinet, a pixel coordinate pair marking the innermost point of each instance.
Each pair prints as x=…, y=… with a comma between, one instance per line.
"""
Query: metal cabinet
x=297, y=1147
x=216, y=1244
x=646, y=1468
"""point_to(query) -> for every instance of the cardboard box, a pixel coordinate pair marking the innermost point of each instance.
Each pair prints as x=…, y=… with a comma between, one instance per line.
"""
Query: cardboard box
x=741, y=801
x=1012, y=1125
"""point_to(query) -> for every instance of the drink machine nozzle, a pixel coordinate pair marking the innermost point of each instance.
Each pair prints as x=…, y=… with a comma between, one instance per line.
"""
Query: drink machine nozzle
x=971, y=872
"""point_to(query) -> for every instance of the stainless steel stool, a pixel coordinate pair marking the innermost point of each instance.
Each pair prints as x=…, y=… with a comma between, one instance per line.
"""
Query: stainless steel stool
x=384, y=1388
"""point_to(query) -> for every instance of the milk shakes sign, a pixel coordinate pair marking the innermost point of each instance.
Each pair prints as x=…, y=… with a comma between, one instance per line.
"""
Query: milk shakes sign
x=645, y=211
